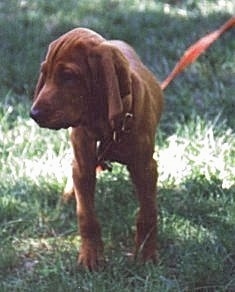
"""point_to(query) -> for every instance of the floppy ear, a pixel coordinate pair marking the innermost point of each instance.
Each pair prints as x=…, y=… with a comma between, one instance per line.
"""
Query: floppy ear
x=112, y=76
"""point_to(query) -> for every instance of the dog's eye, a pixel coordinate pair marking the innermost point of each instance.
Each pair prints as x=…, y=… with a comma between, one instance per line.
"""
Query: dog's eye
x=68, y=76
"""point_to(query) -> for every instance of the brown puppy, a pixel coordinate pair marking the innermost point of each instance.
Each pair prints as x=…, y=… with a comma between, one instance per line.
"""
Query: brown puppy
x=104, y=92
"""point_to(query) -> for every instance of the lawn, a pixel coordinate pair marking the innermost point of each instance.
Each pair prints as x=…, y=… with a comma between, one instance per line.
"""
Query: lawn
x=195, y=149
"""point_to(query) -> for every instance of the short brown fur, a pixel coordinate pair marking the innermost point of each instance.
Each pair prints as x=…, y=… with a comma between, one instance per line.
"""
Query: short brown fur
x=90, y=84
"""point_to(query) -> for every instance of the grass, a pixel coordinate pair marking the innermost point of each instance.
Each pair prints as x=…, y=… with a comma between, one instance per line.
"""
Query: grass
x=194, y=148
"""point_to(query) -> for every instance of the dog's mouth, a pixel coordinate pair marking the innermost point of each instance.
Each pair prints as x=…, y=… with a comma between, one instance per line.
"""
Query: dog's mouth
x=57, y=125
x=57, y=121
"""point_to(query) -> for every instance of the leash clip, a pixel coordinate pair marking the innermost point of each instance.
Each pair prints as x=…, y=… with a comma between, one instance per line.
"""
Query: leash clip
x=126, y=124
x=125, y=128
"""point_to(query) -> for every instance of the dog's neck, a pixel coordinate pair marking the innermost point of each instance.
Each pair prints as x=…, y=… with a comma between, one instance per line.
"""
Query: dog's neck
x=108, y=139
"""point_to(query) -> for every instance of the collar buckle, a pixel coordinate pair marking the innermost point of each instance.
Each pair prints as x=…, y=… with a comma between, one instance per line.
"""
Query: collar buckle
x=126, y=123
x=124, y=128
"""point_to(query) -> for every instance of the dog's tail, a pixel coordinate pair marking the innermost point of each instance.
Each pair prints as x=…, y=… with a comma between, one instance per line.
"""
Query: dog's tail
x=195, y=50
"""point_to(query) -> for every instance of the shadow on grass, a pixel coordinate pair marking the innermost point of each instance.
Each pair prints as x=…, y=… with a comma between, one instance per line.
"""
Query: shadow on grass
x=204, y=204
x=198, y=201
x=196, y=231
x=29, y=209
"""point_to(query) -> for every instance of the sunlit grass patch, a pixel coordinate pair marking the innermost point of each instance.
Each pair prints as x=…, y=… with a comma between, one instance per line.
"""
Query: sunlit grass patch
x=27, y=151
x=198, y=148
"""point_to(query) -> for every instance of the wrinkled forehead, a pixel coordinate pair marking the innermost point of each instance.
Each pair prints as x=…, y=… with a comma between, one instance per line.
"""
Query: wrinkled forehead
x=66, y=46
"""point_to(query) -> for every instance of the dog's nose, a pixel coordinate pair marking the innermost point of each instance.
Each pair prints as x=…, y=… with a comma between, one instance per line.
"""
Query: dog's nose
x=34, y=113
x=37, y=115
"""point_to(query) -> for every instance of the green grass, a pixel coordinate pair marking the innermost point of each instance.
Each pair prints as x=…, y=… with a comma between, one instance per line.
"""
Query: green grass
x=195, y=150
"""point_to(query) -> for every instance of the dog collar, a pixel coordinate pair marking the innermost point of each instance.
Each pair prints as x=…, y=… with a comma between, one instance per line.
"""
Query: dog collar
x=103, y=147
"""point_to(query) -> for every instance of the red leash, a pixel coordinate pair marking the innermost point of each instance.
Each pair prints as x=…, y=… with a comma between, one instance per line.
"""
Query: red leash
x=195, y=50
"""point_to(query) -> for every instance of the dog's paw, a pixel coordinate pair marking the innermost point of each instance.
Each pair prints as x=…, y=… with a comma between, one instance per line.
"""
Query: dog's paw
x=91, y=257
x=147, y=252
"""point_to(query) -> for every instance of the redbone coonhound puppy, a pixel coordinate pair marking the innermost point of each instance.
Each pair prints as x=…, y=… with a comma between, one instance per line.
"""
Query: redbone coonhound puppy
x=102, y=90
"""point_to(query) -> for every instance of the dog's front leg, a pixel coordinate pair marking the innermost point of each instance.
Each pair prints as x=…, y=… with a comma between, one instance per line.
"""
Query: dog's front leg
x=144, y=176
x=84, y=178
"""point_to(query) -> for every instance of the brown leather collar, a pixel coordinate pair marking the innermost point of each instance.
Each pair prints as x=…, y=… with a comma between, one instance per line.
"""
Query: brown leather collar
x=104, y=146
x=121, y=128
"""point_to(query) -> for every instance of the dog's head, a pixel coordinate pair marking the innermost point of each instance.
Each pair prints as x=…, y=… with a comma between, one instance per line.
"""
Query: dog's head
x=82, y=80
